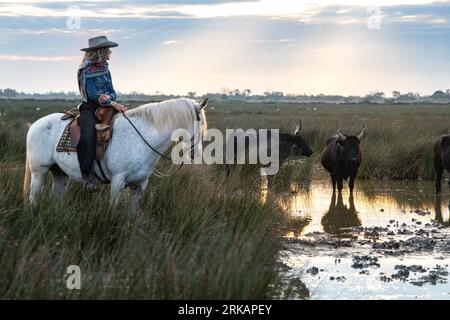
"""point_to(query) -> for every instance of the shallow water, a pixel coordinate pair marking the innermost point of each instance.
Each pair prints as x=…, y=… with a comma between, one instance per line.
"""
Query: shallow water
x=371, y=284
x=327, y=231
x=372, y=204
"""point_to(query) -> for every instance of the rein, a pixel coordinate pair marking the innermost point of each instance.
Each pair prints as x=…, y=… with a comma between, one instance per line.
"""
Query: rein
x=197, y=115
x=143, y=139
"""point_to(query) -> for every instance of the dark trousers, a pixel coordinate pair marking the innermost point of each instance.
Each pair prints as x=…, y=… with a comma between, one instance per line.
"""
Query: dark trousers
x=86, y=146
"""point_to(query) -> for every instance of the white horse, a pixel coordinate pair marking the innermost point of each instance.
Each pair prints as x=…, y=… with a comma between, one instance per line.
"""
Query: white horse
x=128, y=161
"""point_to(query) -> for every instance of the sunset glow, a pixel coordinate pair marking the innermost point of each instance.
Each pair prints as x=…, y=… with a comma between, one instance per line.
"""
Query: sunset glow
x=331, y=47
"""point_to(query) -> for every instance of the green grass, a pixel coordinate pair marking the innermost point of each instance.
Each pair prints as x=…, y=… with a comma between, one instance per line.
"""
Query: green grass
x=193, y=240
x=398, y=142
x=199, y=235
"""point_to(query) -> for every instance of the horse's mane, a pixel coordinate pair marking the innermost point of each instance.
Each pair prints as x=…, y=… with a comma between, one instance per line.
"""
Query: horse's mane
x=177, y=113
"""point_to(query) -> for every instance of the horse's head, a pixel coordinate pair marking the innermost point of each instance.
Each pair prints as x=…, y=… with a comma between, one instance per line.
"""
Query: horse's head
x=200, y=110
x=201, y=127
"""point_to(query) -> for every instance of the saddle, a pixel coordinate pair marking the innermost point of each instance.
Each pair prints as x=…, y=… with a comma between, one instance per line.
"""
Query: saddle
x=71, y=135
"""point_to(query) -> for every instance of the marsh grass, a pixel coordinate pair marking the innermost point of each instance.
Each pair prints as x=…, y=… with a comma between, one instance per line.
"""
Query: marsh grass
x=200, y=235
x=195, y=239
x=397, y=145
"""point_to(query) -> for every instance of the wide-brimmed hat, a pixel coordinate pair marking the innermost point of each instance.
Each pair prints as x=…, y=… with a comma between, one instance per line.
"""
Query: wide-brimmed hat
x=99, y=42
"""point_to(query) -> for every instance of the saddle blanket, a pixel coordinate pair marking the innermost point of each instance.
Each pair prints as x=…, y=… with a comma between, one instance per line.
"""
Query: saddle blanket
x=64, y=144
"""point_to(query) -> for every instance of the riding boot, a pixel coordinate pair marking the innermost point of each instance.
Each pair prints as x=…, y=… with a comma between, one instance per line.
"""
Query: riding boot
x=86, y=145
x=90, y=183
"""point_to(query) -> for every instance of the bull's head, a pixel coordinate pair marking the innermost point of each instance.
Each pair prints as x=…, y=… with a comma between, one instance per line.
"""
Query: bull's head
x=299, y=146
x=349, y=146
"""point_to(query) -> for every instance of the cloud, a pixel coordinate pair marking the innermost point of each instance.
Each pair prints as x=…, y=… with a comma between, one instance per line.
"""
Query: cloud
x=83, y=11
x=274, y=42
x=287, y=40
x=38, y=58
x=439, y=21
x=182, y=9
x=29, y=31
x=170, y=42
x=413, y=18
x=350, y=21
x=324, y=47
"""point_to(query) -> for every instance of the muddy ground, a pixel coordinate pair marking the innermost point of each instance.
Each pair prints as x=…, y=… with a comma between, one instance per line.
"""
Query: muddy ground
x=397, y=260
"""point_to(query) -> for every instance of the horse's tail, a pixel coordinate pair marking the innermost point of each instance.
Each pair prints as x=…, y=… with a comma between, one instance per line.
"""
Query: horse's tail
x=26, y=179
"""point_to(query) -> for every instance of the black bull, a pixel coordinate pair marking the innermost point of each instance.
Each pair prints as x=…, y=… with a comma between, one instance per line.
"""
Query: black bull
x=342, y=157
x=339, y=216
x=289, y=145
x=441, y=159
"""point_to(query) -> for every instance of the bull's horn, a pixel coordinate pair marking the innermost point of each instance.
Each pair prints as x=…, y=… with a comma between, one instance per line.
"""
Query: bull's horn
x=298, y=128
x=340, y=135
x=361, y=134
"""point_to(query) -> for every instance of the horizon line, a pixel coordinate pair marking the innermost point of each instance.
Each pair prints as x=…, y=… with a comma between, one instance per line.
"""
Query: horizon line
x=241, y=93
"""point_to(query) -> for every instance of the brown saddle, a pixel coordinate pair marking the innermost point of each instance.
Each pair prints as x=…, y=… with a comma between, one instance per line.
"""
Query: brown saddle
x=71, y=135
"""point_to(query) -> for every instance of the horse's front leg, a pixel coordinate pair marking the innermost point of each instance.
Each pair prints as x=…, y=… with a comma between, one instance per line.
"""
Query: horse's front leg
x=137, y=190
x=117, y=185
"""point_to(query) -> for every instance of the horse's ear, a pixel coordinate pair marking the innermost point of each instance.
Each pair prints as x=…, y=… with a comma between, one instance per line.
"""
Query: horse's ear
x=204, y=103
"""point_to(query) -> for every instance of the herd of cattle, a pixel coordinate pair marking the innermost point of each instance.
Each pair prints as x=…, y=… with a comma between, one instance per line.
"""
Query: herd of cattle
x=342, y=156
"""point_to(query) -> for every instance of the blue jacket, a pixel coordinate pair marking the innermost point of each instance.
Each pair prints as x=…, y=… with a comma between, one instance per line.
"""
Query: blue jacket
x=94, y=82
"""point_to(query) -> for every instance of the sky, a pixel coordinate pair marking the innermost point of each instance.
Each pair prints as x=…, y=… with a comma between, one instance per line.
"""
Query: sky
x=344, y=47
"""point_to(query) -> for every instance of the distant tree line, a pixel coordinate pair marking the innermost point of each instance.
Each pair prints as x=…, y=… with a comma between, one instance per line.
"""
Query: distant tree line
x=438, y=96
x=8, y=93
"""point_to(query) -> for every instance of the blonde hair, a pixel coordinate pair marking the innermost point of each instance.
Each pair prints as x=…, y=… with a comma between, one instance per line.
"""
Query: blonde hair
x=98, y=54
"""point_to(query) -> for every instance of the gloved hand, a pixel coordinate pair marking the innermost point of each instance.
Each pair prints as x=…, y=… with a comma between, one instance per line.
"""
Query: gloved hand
x=119, y=107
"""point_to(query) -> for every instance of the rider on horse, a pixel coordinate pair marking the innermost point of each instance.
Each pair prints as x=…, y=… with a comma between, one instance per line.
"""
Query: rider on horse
x=97, y=91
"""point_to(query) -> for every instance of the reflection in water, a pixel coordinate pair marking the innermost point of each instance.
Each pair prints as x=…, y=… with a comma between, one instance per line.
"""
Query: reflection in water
x=339, y=215
x=380, y=204
x=373, y=204
x=438, y=212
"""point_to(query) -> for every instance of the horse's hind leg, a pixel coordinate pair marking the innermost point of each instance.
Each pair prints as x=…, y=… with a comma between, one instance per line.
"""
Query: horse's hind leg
x=60, y=182
x=37, y=182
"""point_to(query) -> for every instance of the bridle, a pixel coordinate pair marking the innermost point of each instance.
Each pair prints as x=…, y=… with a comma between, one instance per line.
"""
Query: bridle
x=192, y=154
x=193, y=144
